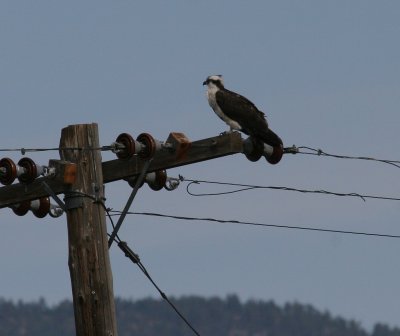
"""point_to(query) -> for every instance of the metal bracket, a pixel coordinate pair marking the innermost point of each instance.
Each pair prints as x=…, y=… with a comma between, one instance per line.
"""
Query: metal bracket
x=73, y=200
x=54, y=196
x=129, y=202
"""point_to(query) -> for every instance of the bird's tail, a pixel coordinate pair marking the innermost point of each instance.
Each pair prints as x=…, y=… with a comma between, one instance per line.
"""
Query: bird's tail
x=270, y=138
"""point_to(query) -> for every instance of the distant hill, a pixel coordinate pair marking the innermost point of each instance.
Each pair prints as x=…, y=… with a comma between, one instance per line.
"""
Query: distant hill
x=212, y=317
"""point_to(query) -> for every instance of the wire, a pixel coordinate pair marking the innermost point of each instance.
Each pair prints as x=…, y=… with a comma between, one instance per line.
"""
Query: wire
x=107, y=210
x=245, y=187
x=138, y=183
x=101, y=202
x=133, y=256
x=26, y=150
x=136, y=260
x=224, y=221
x=320, y=152
x=165, y=297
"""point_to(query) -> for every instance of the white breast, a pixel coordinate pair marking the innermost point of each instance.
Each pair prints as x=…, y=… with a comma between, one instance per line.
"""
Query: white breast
x=211, y=92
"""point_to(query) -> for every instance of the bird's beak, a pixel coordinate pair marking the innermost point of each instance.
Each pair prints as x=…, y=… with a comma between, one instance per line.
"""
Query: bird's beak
x=205, y=83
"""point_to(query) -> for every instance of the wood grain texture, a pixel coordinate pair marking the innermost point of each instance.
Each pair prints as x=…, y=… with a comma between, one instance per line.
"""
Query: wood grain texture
x=88, y=261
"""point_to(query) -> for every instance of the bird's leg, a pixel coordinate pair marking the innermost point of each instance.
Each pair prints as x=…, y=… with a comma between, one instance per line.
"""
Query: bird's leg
x=231, y=130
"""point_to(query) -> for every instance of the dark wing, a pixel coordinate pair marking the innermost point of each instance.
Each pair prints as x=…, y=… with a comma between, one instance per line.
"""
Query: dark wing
x=242, y=110
x=249, y=117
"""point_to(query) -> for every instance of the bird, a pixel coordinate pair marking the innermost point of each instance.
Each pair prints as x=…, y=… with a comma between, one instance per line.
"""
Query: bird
x=239, y=112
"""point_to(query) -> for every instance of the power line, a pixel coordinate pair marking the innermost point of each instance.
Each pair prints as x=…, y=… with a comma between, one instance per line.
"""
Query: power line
x=23, y=150
x=245, y=187
x=107, y=210
x=288, y=150
x=227, y=221
x=136, y=260
x=320, y=152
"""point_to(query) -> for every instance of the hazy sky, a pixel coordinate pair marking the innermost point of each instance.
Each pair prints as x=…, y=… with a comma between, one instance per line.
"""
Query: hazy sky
x=325, y=73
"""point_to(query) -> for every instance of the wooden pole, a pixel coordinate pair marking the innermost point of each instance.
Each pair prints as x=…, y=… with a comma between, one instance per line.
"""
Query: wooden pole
x=88, y=261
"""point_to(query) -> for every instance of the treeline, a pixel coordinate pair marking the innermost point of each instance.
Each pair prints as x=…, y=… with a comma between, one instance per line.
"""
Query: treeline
x=213, y=316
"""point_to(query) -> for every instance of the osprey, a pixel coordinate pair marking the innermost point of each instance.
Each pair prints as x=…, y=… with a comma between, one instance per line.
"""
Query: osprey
x=239, y=112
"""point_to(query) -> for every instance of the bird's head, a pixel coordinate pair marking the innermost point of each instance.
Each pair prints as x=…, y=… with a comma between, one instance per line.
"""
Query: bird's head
x=214, y=81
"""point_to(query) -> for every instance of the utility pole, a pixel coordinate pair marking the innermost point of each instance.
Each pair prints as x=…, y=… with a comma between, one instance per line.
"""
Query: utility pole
x=88, y=261
x=80, y=176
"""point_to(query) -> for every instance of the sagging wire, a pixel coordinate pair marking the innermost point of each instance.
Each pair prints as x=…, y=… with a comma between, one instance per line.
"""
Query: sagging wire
x=319, y=152
x=230, y=221
x=136, y=260
x=134, y=257
x=245, y=187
